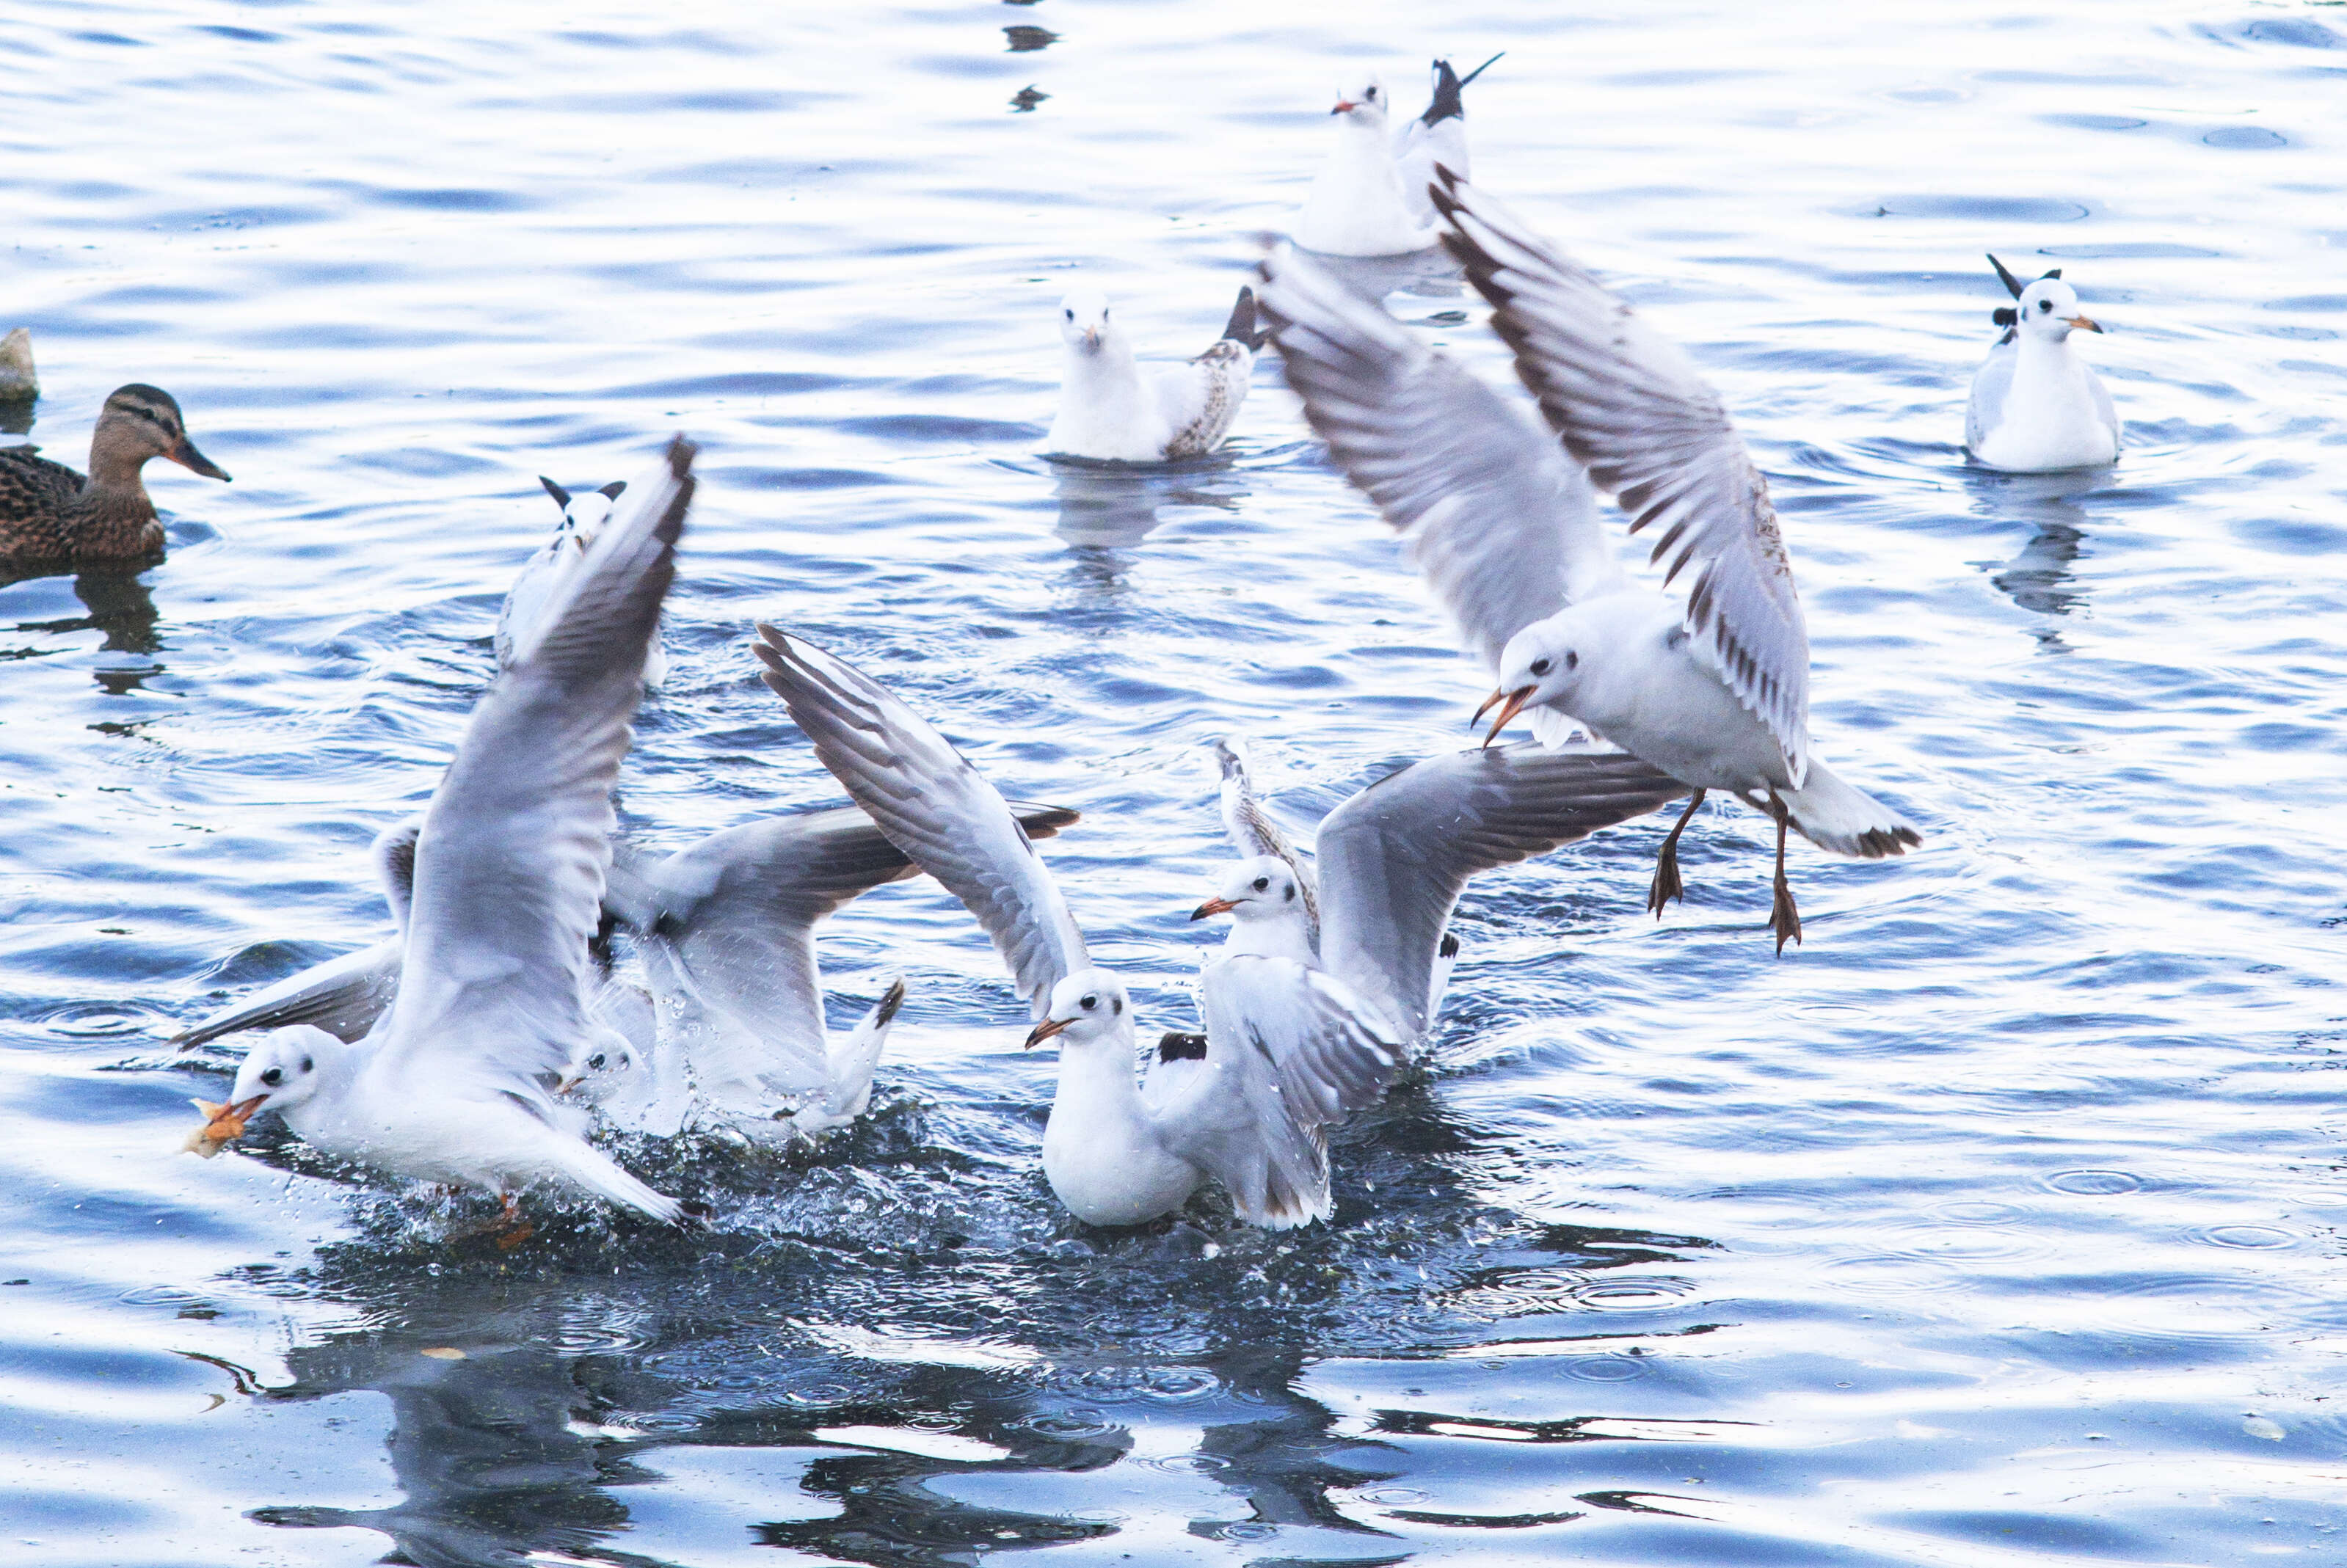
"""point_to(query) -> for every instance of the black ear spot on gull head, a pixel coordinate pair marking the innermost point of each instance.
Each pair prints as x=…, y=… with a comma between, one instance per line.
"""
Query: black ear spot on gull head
x=1181, y=1048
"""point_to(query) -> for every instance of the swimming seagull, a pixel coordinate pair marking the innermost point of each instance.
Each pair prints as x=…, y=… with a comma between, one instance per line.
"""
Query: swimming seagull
x=1290, y=1047
x=1269, y=870
x=1356, y=205
x=584, y=515
x=456, y=1084
x=1714, y=693
x=1437, y=137
x=2036, y=406
x=1114, y=411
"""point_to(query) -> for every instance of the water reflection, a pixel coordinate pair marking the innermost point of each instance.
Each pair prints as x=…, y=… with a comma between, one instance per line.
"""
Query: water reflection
x=1114, y=506
x=2040, y=578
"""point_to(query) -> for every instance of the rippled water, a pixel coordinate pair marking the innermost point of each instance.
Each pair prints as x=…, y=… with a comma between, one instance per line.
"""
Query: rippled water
x=1998, y=1226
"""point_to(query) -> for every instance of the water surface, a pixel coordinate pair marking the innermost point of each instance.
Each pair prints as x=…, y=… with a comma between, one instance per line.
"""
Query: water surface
x=1996, y=1226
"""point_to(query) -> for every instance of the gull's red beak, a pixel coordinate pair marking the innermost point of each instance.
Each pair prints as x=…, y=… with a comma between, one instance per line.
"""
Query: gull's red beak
x=1343, y=106
x=1045, y=1029
x=1514, y=702
x=1213, y=907
x=2084, y=324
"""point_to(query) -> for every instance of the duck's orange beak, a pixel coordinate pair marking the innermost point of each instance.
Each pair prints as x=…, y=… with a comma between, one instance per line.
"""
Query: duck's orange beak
x=1514, y=702
x=1045, y=1029
x=1213, y=907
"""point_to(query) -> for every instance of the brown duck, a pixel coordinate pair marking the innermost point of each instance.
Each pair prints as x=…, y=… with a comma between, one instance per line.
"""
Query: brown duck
x=49, y=513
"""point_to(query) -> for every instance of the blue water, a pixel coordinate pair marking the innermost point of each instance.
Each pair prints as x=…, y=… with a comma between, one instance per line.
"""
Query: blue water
x=1997, y=1225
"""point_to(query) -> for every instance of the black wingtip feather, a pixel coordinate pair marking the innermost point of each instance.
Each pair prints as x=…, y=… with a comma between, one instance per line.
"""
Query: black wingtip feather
x=1240, y=327
x=2004, y=274
x=1181, y=1048
x=886, y=1012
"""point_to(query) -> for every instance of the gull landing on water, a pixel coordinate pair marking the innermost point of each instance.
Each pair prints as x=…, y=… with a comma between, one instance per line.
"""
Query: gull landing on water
x=2036, y=406
x=1291, y=1047
x=1112, y=410
x=1503, y=527
x=1356, y=205
x=456, y=1084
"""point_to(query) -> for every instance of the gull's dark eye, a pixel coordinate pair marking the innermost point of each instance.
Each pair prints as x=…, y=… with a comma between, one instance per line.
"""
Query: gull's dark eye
x=1261, y=884
x=595, y=1062
x=2044, y=304
x=1088, y=1003
x=274, y=1077
x=1070, y=314
x=1540, y=666
x=307, y=1064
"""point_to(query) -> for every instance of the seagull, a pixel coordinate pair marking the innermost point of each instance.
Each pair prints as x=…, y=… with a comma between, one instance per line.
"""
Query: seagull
x=584, y=515
x=1268, y=875
x=1291, y=1047
x=1113, y=411
x=456, y=1083
x=2036, y=406
x=726, y=929
x=1356, y=205
x=1504, y=528
x=1437, y=136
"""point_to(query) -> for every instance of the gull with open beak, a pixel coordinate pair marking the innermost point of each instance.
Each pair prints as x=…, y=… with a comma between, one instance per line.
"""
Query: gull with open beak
x=1503, y=527
x=2037, y=406
x=1356, y=205
x=456, y=1084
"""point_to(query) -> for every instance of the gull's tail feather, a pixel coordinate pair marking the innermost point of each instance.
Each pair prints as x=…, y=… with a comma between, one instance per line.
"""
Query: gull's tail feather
x=848, y=1088
x=1241, y=328
x=1842, y=819
x=593, y=1170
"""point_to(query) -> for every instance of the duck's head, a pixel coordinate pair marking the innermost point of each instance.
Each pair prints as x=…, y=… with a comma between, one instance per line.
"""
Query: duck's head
x=1087, y=1007
x=139, y=422
x=1364, y=104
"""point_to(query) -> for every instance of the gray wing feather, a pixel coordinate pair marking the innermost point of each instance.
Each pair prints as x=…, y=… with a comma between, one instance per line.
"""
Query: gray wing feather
x=933, y=805
x=1502, y=523
x=1991, y=383
x=1293, y=1051
x=1396, y=856
x=343, y=996
x=1630, y=403
x=394, y=853
x=509, y=867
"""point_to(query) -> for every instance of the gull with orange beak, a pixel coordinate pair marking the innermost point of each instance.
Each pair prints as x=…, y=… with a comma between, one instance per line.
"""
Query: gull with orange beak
x=2037, y=406
x=51, y=514
x=456, y=1083
x=1356, y=205
x=1251, y=1114
x=1504, y=526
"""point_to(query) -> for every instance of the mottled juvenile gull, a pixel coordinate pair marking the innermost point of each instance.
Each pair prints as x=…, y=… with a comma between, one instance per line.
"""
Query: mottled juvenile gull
x=1714, y=693
x=2037, y=406
x=1114, y=410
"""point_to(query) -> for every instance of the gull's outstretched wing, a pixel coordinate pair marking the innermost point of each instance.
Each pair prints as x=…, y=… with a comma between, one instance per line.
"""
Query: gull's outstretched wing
x=1502, y=523
x=934, y=806
x=1395, y=858
x=1290, y=1051
x=727, y=928
x=343, y=996
x=1630, y=403
x=1253, y=833
x=509, y=868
